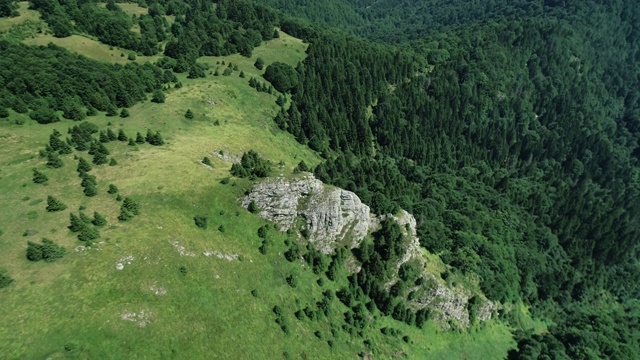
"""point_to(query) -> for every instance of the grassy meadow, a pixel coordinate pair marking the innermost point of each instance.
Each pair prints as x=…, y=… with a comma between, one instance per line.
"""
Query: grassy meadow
x=183, y=292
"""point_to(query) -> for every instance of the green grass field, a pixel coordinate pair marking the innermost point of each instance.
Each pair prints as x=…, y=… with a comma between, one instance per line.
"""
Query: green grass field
x=150, y=309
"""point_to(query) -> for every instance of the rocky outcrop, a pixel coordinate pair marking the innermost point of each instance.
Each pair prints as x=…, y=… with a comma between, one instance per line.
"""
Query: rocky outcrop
x=333, y=217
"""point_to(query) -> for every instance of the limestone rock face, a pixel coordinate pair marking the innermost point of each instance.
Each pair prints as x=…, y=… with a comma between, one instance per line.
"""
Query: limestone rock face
x=331, y=216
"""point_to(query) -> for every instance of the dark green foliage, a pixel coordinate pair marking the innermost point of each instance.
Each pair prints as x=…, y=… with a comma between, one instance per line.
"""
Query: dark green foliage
x=122, y=136
x=47, y=251
x=259, y=64
x=112, y=189
x=54, y=204
x=4, y=113
x=129, y=209
x=262, y=231
x=221, y=228
x=154, y=138
x=242, y=75
x=83, y=166
x=132, y=142
x=189, y=114
x=282, y=76
x=5, y=279
x=302, y=166
x=99, y=158
x=139, y=139
x=251, y=165
x=103, y=138
x=90, y=190
x=39, y=178
x=207, y=161
x=54, y=73
x=183, y=270
x=54, y=161
x=88, y=233
x=227, y=72
x=111, y=135
x=292, y=281
x=76, y=223
x=158, y=97
x=124, y=113
x=113, y=162
x=201, y=221
x=98, y=220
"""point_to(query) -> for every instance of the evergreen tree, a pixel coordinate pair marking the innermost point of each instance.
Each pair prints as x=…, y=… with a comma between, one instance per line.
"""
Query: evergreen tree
x=111, y=135
x=124, y=113
x=189, y=114
x=53, y=160
x=259, y=64
x=139, y=138
x=88, y=233
x=34, y=251
x=158, y=97
x=75, y=223
x=5, y=279
x=99, y=158
x=103, y=137
x=122, y=136
x=112, y=189
x=113, y=162
x=39, y=178
x=132, y=142
x=90, y=190
x=98, y=220
x=83, y=166
x=54, y=204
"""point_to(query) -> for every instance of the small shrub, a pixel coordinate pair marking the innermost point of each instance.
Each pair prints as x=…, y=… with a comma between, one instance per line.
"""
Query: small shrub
x=189, y=114
x=253, y=207
x=221, y=228
x=201, y=221
x=90, y=190
x=207, y=161
x=113, y=162
x=112, y=189
x=5, y=280
x=39, y=178
x=158, y=97
x=124, y=113
x=259, y=64
x=54, y=204
x=98, y=220
x=183, y=270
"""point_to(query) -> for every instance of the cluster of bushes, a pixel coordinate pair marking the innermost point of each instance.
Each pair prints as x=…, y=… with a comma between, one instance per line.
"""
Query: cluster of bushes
x=260, y=86
x=5, y=279
x=86, y=227
x=129, y=209
x=47, y=251
x=251, y=166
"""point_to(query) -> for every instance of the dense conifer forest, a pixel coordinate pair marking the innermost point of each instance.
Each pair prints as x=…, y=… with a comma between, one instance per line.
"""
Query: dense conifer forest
x=509, y=129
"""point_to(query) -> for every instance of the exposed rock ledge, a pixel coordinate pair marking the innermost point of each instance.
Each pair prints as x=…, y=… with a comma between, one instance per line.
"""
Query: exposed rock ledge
x=332, y=216
x=335, y=217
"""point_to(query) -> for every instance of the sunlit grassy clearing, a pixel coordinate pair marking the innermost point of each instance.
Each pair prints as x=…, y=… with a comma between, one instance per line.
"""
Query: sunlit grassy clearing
x=25, y=14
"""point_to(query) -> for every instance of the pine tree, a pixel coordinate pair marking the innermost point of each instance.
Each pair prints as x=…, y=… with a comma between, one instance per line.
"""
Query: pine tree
x=51, y=251
x=189, y=114
x=131, y=206
x=54, y=161
x=98, y=220
x=139, y=138
x=111, y=135
x=88, y=233
x=158, y=97
x=54, y=204
x=99, y=158
x=34, y=251
x=112, y=189
x=83, y=166
x=90, y=190
x=103, y=137
x=39, y=178
x=84, y=218
x=131, y=142
x=75, y=223
x=122, y=136
x=124, y=113
x=259, y=64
